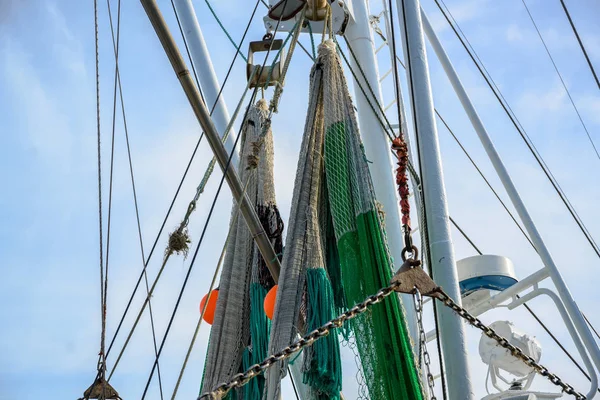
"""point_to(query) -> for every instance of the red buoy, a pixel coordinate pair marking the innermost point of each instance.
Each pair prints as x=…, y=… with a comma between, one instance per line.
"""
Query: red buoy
x=269, y=303
x=209, y=314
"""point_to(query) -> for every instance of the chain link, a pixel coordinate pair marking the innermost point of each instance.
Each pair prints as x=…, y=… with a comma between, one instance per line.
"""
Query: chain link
x=423, y=343
x=503, y=342
x=241, y=379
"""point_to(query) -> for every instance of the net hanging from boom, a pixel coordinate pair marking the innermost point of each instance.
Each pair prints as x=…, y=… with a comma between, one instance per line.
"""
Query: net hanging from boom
x=240, y=332
x=336, y=254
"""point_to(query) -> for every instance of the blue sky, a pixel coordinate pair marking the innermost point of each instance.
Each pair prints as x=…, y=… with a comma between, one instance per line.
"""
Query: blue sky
x=48, y=207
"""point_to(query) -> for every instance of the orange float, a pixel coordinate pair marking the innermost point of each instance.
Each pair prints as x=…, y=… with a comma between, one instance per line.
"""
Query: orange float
x=209, y=314
x=269, y=303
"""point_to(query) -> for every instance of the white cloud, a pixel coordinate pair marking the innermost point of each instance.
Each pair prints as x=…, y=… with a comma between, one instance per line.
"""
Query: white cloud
x=47, y=127
x=514, y=33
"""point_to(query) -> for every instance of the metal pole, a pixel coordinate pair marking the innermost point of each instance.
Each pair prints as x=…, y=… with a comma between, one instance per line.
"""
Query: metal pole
x=189, y=87
x=377, y=146
x=441, y=259
x=509, y=186
x=206, y=73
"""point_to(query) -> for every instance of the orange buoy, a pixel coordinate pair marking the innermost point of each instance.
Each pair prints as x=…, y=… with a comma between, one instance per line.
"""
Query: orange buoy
x=269, y=303
x=209, y=314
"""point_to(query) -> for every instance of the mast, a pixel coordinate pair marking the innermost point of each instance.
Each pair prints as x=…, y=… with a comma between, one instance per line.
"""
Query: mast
x=377, y=146
x=441, y=257
x=509, y=186
x=206, y=73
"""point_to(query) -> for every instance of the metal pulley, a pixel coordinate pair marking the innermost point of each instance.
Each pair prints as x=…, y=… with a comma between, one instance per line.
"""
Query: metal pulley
x=316, y=10
x=267, y=75
x=100, y=389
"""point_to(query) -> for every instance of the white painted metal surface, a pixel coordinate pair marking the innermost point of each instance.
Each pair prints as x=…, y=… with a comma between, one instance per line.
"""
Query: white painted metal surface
x=550, y=266
x=442, y=253
x=206, y=73
x=484, y=265
x=593, y=391
x=493, y=354
x=377, y=145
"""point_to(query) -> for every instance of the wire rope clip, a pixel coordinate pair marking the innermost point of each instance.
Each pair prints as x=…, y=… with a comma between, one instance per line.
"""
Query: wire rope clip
x=265, y=76
x=411, y=276
x=101, y=389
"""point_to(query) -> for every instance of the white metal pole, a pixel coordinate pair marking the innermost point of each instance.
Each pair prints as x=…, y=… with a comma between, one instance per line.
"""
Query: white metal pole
x=377, y=146
x=509, y=186
x=206, y=73
x=441, y=258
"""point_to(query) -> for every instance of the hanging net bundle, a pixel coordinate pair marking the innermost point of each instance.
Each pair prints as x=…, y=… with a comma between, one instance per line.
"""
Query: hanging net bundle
x=240, y=333
x=336, y=255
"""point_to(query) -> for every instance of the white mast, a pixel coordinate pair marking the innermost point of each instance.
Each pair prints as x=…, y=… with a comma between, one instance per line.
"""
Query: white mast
x=441, y=258
x=206, y=73
x=377, y=146
x=552, y=270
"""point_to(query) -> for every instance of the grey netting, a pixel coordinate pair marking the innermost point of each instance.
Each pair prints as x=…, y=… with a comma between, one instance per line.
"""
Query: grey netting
x=231, y=332
x=301, y=249
x=333, y=188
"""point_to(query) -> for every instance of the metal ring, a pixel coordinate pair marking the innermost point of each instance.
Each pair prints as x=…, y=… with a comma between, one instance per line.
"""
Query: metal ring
x=413, y=250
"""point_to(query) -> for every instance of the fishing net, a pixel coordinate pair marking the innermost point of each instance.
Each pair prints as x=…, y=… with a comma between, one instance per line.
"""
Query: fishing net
x=240, y=333
x=305, y=296
x=335, y=220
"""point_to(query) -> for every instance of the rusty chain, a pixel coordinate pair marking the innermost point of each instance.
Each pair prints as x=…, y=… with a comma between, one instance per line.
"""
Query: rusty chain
x=397, y=285
x=241, y=379
x=423, y=344
x=503, y=342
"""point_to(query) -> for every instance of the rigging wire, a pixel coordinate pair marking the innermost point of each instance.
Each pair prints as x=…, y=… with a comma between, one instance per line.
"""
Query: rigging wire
x=427, y=251
x=169, y=251
x=500, y=97
x=395, y=67
x=252, y=98
x=485, y=180
x=179, y=187
x=587, y=58
x=204, y=229
x=561, y=80
x=135, y=202
x=187, y=50
x=495, y=193
x=112, y=159
x=102, y=355
x=533, y=314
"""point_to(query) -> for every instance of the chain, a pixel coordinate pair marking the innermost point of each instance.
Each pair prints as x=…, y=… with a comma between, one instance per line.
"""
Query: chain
x=423, y=343
x=515, y=351
x=242, y=378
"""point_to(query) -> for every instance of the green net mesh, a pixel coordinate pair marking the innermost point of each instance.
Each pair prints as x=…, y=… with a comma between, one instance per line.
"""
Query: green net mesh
x=381, y=335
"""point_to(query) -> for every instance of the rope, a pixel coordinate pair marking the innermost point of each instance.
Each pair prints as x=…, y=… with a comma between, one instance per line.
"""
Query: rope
x=427, y=251
x=178, y=190
x=204, y=229
x=168, y=253
x=509, y=112
x=137, y=215
x=187, y=276
x=212, y=285
x=587, y=58
x=562, y=80
x=312, y=41
x=225, y=30
x=102, y=357
x=295, y=34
